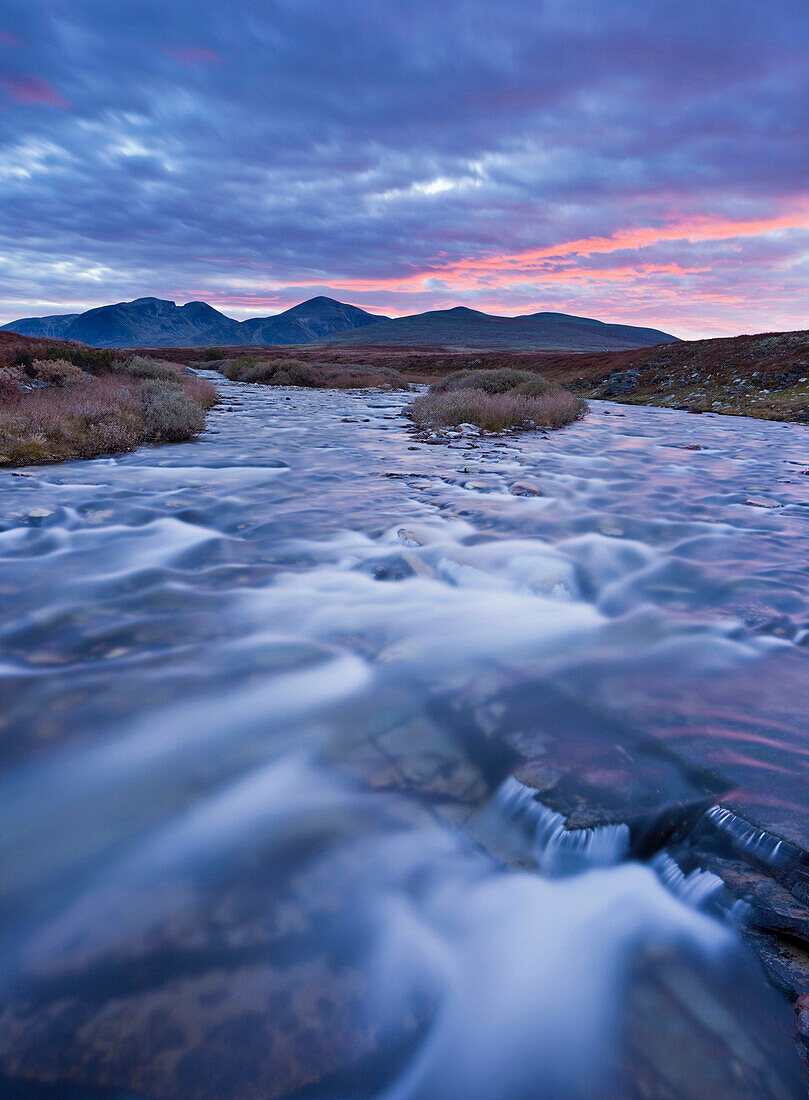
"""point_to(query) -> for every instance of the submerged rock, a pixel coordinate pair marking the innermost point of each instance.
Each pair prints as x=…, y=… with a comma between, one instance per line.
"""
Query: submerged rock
x=525, y=487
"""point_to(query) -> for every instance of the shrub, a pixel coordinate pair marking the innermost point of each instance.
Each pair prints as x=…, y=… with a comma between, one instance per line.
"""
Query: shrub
x=296, y=372
x=111, y=412
x=210, y=355
x=272, y=372
x=200, y=391
x=502, y=380
x=58, y=372
x=57, y=423
x=12, y=381
x=94, y=360
x=169, y=413
x=496, y=411
x=142, y=366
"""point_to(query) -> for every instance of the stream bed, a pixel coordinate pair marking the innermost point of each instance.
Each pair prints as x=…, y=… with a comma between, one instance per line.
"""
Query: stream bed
x=338, y=764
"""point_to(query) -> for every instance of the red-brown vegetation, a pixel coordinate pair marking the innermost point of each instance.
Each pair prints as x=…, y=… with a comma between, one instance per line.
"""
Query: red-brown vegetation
x=61, y=401
x=494, y=400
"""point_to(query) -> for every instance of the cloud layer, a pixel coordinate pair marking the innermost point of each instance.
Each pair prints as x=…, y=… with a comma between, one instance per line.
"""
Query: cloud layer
x=640, y=161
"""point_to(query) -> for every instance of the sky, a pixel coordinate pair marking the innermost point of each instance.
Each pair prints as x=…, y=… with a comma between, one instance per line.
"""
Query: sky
x=640, y=161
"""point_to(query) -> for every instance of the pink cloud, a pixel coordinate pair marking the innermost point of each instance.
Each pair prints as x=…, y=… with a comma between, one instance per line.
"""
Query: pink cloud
x=192, y=55
x=33, y=91
x=7, y=39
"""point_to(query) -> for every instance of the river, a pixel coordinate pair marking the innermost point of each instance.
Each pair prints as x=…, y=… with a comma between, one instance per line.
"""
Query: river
x=276, y=706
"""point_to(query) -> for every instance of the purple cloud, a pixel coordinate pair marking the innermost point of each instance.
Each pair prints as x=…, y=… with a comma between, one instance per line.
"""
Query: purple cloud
x=192, y=55
x=32, y=90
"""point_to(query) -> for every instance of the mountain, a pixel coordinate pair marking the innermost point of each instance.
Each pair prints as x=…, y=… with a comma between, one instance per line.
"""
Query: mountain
x=313, y=320
x=468, y=328
x=159, y=323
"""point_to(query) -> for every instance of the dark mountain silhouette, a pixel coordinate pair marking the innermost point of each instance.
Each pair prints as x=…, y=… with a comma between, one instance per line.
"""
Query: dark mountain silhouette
x=158, y=323
x=313, y=320
x=468, y=328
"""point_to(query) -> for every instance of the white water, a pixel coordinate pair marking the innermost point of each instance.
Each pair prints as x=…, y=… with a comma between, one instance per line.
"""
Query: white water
x=253, y=686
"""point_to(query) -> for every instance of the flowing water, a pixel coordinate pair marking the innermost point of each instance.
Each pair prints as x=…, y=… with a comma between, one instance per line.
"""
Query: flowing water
x=271, y=704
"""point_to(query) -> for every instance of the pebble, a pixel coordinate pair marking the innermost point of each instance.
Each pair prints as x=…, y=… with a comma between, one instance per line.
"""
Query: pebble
x=758, y=502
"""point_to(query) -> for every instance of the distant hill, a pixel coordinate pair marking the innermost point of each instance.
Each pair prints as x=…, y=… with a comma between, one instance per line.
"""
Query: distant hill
x=313, y=320
x=159, y=323
x=468, y=328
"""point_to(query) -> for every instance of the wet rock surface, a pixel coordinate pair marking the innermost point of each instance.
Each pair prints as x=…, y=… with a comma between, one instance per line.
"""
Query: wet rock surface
x=334, y=767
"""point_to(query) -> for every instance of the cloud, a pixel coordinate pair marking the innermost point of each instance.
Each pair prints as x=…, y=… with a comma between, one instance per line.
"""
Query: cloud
x=620, y=160
x=32, y=90
x=192, y=55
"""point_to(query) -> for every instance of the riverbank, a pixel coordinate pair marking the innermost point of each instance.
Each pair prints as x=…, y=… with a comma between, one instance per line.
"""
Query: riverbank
x=763, y=376
x=61, y=401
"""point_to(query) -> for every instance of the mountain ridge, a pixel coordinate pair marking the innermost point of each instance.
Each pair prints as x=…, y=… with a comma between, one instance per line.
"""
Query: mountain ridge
x=159, y=322
x=463, y=327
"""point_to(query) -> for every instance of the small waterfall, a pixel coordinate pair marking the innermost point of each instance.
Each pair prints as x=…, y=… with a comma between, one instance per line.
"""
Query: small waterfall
x=696, y=889
x=763, y=846
x=541, y=834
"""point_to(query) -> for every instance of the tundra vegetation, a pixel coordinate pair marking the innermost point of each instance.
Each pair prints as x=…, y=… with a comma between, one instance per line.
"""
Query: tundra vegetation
x=764, y=376
x=495, y=400
x=312, y=375
x=65, y=401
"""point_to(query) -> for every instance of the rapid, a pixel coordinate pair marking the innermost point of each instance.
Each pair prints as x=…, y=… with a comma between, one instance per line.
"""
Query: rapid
x=338, y=763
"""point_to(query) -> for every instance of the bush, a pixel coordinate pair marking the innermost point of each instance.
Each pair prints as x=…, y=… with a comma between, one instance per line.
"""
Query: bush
x=200, y=391
x=169, y=414
x=271, y=372
x=496, y=411
x=12, y=381
x=94, y=360
x=502, y=380
x=297, y=372
x=57, y=423
x=108, y=413
x=58, y=372
x=142, y=366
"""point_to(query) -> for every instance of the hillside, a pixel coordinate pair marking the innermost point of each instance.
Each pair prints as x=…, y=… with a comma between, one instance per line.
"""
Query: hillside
x=159, y=323
x=468, y=328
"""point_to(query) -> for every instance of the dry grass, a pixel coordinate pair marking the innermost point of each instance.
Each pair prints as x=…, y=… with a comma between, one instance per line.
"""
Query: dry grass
x=495, y=400
x=297, y=372
x=52, y=409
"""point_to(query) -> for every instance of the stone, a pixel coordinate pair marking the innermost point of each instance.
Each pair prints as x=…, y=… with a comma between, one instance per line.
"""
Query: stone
x=525, y=488
x=620, y=383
